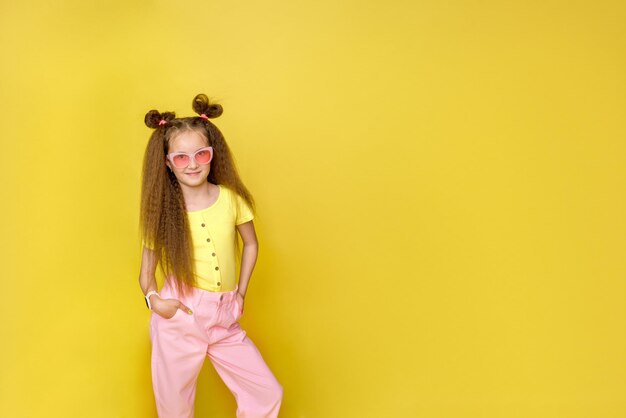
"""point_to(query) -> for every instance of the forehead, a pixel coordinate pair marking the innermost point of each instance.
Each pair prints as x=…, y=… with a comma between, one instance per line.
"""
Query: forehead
x=187, y=141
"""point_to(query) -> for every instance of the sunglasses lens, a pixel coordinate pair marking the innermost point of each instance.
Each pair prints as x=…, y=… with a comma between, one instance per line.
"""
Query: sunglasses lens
x=203, y=157
x=180, y=161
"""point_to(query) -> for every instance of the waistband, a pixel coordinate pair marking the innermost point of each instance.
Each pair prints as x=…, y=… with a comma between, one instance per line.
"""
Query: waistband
x=216, y=296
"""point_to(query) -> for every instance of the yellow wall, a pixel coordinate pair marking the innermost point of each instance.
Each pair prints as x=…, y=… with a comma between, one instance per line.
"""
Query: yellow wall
x=440, y=189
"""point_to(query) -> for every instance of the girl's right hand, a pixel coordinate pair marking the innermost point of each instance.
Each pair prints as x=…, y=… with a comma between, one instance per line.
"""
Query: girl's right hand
x=167, y=307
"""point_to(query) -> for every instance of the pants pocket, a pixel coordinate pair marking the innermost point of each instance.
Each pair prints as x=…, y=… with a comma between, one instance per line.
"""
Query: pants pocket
x=236, y=309
x=232, y=313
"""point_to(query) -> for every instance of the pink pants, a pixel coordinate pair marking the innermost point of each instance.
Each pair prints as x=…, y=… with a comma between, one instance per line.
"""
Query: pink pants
x=179, y=347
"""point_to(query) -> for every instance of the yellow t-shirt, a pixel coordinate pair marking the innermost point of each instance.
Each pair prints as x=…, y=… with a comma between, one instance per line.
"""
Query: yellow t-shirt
x=213, y=233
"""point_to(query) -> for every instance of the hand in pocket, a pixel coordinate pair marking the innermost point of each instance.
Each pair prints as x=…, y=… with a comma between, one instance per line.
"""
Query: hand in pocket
x=167, y=308
x=240, y=300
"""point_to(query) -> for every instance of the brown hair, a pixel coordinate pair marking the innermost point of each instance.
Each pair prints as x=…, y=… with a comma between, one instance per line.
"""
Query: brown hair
x=163, y=218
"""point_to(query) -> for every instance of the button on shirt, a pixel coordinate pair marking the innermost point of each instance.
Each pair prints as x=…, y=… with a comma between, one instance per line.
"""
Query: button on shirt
x=213, y=233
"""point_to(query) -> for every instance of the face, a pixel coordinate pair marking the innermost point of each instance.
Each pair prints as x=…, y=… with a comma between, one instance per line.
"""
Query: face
x=195, y=174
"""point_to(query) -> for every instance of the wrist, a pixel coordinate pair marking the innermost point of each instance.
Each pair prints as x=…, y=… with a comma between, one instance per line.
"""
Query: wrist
x=150, y=299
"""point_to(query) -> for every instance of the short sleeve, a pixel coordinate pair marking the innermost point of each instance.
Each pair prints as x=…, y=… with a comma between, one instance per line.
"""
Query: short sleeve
x=244, y=213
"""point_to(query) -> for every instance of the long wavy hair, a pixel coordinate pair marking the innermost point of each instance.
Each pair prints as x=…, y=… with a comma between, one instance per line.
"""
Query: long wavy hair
x=163, y=218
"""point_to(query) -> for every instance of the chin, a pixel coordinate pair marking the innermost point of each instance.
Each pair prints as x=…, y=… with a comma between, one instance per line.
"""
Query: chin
x=196, y=183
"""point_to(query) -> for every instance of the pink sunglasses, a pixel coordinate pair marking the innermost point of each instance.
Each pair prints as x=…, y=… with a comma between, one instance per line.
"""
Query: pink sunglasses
x=182, y=159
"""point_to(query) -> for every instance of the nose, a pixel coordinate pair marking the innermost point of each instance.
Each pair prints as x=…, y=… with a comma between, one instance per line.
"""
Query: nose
x=192, y=163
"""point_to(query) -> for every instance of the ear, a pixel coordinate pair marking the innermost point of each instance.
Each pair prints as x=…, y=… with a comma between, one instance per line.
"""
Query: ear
x=167, y=163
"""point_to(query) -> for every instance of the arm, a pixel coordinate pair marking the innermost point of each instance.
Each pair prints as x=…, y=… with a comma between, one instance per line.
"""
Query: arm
x=249, y=255
x=147, y=280
x=163, y=307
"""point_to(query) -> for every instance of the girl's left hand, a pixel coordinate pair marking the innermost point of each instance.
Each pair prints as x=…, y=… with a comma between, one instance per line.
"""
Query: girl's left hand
x=240, y=299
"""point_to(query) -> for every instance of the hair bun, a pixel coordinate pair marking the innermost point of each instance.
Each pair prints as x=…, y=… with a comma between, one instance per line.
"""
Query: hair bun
x=153, y=118
x=202, y=106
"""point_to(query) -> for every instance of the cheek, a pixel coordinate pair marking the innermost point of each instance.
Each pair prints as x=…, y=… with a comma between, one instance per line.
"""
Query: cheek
x=178, y=172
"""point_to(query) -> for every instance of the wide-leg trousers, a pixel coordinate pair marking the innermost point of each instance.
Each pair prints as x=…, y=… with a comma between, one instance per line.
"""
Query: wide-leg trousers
x=180, y=345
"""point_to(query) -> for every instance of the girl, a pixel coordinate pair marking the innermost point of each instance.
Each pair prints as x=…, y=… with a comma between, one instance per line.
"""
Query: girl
x=192, y=201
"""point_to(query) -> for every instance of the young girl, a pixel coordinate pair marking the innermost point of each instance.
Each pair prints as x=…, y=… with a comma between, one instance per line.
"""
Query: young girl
x=192, y=201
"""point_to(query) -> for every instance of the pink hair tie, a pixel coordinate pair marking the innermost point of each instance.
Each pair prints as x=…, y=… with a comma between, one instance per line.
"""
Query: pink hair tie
x=162, y=122
x=203, y=116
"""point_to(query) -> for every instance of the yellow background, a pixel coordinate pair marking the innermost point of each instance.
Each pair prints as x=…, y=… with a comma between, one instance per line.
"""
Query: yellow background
x=440, y=192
